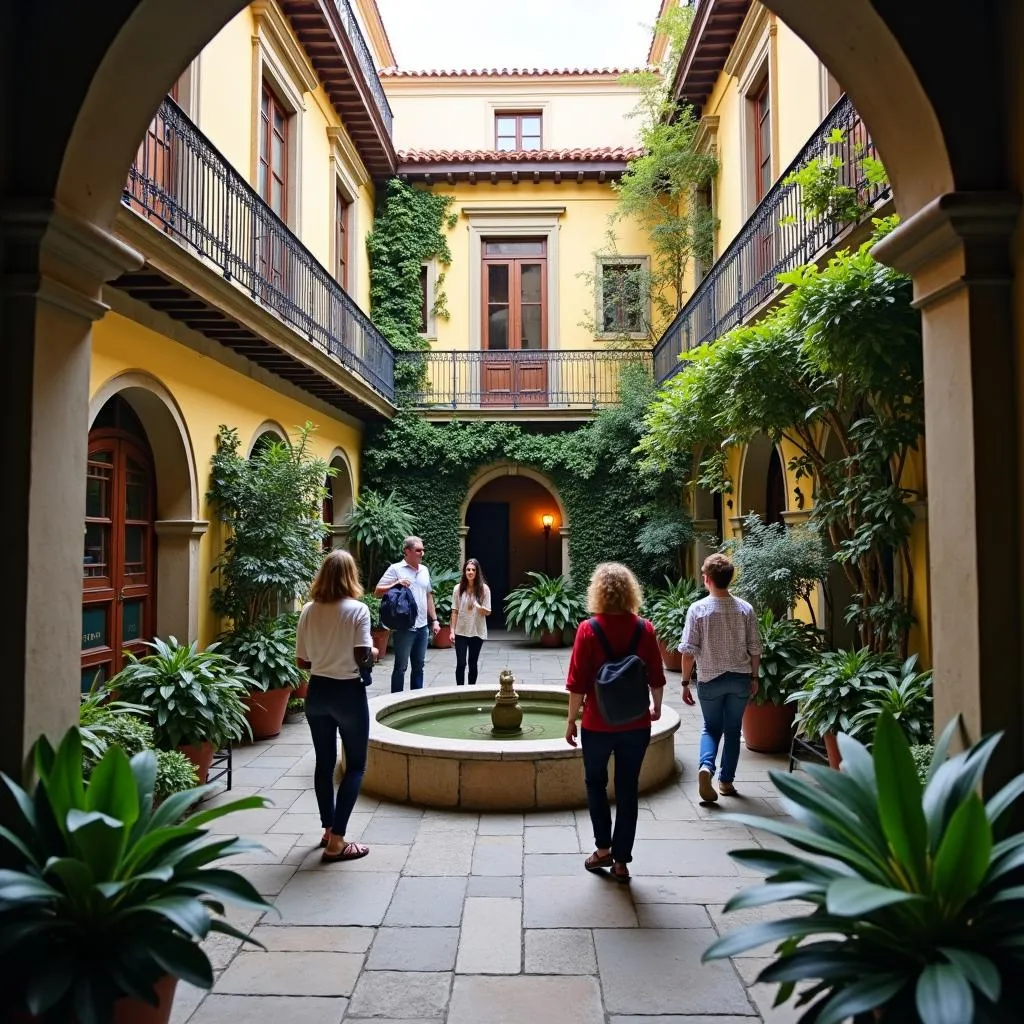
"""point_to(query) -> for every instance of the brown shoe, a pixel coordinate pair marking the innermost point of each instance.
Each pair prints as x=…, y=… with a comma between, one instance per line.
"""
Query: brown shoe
x=727, y=789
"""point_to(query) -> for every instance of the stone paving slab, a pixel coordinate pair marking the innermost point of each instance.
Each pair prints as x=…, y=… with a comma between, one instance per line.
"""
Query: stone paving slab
x=400, y=994
x=427, y=902
x=216, y=1009
x=296, y=939
x=659, y=971
x=414, y=949
x=525, y=1000
x=491, y=941
x=560, y=951
x=291, y=974
x=334, y=897
x=590, y=901
x=498, y=855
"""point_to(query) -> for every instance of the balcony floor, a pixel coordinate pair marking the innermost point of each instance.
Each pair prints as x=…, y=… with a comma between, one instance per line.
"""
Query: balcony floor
x=461, y=917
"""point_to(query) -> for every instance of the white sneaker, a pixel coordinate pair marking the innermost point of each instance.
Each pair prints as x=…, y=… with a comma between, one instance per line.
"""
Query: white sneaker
x=708, y=794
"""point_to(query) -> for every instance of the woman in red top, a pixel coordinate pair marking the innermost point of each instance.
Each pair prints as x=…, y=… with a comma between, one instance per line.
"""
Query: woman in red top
x=614, y=598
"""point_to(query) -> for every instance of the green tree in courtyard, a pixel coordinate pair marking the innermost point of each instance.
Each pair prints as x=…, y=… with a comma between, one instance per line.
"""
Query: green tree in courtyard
x=836, y=370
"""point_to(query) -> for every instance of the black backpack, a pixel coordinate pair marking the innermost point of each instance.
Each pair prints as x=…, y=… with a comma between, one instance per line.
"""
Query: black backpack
x=621, y=686
x=398, y=608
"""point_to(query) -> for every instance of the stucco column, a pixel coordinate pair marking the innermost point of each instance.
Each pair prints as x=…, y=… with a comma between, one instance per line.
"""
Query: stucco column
x=563, y=532
x=177, y=596
x=700, y=547
x=958, y=251
x=463, y=534
x=50, y=278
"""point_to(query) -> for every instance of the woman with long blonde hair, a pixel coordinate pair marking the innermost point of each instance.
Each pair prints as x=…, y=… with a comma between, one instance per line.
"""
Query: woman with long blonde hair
x=333, y=643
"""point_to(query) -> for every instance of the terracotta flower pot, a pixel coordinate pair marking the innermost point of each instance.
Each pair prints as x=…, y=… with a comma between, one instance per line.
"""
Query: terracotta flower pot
x=768, y=728
x=301, y=690
x=672, y=660
x=266, y=711
x=201, y=755
x=443, y=640
x=551, y=638
x=134, y=1011
x=379, y=637
x=835, y=759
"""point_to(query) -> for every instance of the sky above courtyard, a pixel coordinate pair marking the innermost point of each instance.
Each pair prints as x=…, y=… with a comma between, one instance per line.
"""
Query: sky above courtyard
x=527, y=33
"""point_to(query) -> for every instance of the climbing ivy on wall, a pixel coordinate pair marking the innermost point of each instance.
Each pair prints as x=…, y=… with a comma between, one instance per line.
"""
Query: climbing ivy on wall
x=409, y=229
x=607, y=500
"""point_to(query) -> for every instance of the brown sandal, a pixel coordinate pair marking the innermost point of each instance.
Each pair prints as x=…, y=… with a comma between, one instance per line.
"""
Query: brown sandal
x=596, y=861
x=621, y=874
x=350, y=851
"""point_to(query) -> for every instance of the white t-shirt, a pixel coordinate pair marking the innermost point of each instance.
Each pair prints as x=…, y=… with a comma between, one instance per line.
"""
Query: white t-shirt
x=420, y=580
x=327, y=634
x=471, y=621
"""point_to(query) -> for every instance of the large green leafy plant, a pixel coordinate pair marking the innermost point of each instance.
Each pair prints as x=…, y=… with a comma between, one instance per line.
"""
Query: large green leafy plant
x=786, y=644
x=101, y=895
x=906, y=694
x=548, y=605
x=836, y=371
x=272, y=506
x=265, y=651
x=667, y=608
x=444, y=582
x=377, y=525
x=193, y=696
x=917, y=904
x=829, y=690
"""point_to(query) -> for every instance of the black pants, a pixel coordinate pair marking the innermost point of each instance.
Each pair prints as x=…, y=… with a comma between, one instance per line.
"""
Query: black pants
x=467, y=645
x=337, y=706
x=629, y=748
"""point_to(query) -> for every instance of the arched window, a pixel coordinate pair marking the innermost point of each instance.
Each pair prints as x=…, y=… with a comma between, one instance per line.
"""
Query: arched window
x=119, y=564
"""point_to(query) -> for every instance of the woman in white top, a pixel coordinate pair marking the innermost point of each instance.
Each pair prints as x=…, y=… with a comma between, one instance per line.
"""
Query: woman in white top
x=333, y=642
x=471, y=604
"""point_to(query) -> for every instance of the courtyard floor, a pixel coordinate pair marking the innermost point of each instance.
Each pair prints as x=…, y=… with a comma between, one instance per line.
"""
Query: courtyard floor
x=471, y=918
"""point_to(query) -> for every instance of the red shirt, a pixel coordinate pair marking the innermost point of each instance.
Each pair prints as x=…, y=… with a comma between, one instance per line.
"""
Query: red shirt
x=588, y=656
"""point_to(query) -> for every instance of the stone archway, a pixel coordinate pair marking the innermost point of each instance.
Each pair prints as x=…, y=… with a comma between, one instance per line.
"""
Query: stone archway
x=178, y=526
x=502, y=523
x=268, y=430
x=758, y=489
x=340, y=499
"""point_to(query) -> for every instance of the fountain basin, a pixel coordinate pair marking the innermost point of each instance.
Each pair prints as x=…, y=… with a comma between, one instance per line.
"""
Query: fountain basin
x=466, y=767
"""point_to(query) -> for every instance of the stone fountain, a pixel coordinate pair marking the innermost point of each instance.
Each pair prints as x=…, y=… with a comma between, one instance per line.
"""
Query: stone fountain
x=506, y=715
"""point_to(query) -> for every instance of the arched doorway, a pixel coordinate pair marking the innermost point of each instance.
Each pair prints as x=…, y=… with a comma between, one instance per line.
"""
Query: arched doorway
x=119, y=563
x=338, y=502
x=514, y=523
x=762, y=487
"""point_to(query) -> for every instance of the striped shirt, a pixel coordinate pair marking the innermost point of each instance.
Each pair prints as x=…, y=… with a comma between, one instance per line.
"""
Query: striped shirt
x=721, y=634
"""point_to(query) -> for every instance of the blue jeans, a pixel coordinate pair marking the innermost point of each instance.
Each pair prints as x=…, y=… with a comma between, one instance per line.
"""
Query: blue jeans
x=722, y=701
x=333, y=706
x=629, y=747
x=408, y=643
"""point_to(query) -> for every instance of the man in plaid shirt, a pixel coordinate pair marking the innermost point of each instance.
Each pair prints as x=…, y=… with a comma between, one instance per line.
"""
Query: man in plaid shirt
x=721, y=638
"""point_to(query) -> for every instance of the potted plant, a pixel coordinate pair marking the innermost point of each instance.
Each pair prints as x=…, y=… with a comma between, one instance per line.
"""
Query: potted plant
x=175, y=773
x=786, y=644
x=544, y=609
x=444, y=583
x=195, y=698
x=265, y=651
x=667, y=612
x=104, y=898
x=296, y=712
x=916, y=908
x=829, y=691
x=378, y=633
x=377, y=525
x=907, y=695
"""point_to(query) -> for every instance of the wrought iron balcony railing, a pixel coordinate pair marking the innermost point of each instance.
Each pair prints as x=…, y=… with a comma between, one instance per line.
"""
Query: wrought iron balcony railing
x=520, y=379
x=181, y=182
x=780, y=236
x=366, y=62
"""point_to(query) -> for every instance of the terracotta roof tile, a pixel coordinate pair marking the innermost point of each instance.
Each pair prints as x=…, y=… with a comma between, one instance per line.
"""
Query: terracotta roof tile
x=394, y=72
x=460, y=156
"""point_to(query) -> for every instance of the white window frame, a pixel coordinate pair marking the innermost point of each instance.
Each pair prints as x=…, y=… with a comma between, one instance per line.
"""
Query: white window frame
x=430, y=334
x=618, y=261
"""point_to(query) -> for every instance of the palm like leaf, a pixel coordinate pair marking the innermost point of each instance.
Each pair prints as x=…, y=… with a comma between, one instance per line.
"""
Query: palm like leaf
x=914, y=905
x=101, y=894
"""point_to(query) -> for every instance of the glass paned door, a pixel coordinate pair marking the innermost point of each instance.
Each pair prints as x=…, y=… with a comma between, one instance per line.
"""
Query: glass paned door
x=514, y=370
x=118, y=572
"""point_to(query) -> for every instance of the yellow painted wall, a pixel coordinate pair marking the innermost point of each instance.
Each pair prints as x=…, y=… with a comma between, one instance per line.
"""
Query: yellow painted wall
x=226, y=115
x=582, y=234
x=459, y=113
x=798, y=78
x=207, y=394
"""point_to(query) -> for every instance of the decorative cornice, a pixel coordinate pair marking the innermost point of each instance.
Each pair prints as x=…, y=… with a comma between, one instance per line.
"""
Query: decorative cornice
x=752, y=31
x=511, y=210
x=343, y=150
x=271, y=23
x=181, y=527
x=706, y=139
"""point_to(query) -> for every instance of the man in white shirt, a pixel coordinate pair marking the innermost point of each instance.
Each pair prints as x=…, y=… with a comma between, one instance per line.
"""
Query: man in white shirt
x=721, y=637
x=411, y=644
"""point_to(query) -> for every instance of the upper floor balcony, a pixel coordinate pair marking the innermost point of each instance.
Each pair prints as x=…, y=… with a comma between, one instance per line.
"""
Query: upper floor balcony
x=555, y=384
x=221, y=261
x=779, y=236
x=330, y=34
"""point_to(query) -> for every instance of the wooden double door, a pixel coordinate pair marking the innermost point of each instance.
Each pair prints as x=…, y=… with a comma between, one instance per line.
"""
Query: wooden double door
x=514, y=368
x=118, y=571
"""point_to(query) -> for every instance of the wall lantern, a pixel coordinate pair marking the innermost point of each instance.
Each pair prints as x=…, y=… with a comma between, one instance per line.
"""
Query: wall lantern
x=547, y=519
